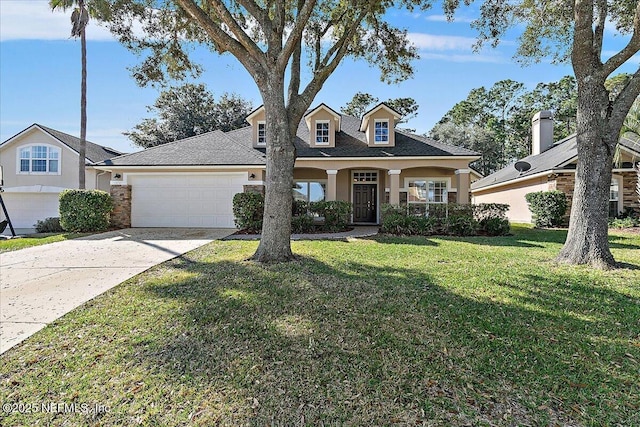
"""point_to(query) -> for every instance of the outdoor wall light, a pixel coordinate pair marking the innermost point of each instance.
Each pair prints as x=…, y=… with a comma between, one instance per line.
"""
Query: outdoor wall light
x=117, y=176
x=252, y=176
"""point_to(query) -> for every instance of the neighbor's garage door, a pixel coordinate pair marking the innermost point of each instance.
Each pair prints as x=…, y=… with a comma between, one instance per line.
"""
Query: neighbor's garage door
x=184, y=200
x=25, y=209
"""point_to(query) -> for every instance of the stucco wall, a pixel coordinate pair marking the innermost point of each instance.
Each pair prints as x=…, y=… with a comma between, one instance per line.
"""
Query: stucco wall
x=380, y=114
x=323, y=115
x=513, y=195
x=68, y=165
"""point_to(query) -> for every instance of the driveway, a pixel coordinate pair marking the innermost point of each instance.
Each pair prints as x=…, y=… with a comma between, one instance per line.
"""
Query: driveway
x=42, y=283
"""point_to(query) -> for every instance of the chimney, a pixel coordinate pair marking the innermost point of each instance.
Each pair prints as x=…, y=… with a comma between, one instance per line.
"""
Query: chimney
x=542, y=130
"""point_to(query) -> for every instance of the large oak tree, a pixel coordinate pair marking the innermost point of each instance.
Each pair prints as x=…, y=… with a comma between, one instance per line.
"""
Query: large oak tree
x=273, y=40
x=574, y=30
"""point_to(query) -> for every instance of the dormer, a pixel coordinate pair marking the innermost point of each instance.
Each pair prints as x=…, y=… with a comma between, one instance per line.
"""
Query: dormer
x=257, y=120
x=323, y=124
x=379, y=124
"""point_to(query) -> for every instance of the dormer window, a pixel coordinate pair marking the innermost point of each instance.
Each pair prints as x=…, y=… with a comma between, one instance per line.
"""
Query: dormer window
x=322, y=132
x=39, y=159
x=262, y=133
x=381, y=129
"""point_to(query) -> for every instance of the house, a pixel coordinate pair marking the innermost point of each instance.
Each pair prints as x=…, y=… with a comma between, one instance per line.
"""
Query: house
x=38, y=163
x=552, y=167
x=366, y=161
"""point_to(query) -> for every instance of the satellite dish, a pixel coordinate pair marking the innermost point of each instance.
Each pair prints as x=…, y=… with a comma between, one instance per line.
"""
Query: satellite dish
x=522, y=166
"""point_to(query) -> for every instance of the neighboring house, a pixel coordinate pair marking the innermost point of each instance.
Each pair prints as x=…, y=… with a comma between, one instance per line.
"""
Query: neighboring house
x=191, y=182
x=38, y=163
x=553, y=167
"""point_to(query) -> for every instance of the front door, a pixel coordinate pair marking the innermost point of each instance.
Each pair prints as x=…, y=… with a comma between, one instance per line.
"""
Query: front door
x=364, y=202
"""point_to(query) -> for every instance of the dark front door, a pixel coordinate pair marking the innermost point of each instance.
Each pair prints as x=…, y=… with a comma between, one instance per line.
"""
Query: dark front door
x=364, y=202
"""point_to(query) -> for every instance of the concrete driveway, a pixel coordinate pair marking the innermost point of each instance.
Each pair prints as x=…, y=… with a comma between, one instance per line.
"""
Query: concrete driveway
x=42, y=283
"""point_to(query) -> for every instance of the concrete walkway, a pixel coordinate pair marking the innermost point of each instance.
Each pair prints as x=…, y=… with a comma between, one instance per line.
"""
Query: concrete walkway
x=42, y=283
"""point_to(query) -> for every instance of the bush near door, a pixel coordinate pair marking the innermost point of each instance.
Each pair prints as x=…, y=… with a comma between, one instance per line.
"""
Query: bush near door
x=85, y=210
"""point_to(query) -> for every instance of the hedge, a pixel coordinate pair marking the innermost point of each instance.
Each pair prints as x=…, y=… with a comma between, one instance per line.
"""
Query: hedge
x=248, y=210
x=547, y=208
x=85, y=210
x=449, y=219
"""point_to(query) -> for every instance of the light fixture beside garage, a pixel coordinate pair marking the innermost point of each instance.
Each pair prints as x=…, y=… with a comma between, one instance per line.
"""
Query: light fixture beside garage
x=252, y=176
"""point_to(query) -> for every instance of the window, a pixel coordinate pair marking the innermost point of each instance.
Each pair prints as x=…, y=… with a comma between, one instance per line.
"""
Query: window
x=614, y=196
x=39, y=159
x=322, y=132
x=427, y=191
x=381, y=132
x=262, y=133
x=309, y=191
x=365, y=177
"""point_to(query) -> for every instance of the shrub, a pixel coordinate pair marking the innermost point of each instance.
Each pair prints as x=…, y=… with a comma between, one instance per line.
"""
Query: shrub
x=620, y=223
x=248, y=210
x=461, y=225
x=302, y=223
x=85, y=210
x=548, y=207
x=336, y=214
x=492, y=218
x=49, y=225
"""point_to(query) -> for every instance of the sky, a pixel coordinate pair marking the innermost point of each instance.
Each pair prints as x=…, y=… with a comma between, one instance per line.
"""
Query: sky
x=40, y=73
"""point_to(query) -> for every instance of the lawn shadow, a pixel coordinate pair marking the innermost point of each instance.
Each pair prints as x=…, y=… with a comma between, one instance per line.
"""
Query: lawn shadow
x=364, y=344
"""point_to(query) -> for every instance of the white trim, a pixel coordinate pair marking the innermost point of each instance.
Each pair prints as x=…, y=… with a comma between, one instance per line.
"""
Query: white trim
x=538, y=175
x=427, y=179
x=332, y=172
x=170, y=168
x=34, y=189
x=308, y=181
x=394, y=171
x=355, y=171
x=19, y=148
x=388, y=141
x=620, y=200
x=460, y=171
x=351, y=159
x=315, y=133
x=258, y=143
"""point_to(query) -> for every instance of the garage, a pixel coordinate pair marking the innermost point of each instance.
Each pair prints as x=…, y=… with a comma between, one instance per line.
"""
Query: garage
x=184, y=200
x=25, y=209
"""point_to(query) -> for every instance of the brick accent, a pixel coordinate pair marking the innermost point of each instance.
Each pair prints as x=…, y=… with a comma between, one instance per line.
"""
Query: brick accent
x=121, y=215
x=253, y=189
x=630, y=189
x=565, y=181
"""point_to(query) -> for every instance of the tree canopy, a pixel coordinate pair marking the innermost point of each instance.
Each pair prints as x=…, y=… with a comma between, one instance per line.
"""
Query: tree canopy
x=273, y=40
x=363, y=102
x=189, y=110
x=497, y=122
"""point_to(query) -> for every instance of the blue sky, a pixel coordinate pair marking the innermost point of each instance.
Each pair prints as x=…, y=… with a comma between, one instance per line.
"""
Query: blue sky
x=40, y=73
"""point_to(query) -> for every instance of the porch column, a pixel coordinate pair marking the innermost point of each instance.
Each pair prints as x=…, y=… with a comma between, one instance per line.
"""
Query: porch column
x=394, y=186
x=462, y=183
x=331, y=184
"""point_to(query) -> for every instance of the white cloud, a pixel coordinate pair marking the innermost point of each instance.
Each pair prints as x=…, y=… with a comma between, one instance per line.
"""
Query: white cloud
x=34, y=20
x=425, y=41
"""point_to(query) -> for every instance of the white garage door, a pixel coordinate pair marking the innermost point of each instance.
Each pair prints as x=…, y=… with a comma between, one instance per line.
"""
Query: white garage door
x=184, y=200
x=25, y=209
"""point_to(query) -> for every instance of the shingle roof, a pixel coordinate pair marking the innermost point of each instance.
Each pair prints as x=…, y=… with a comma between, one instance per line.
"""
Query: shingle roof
x=94, y=153
x=556, y=157
x=211, y=148
x=236, y=148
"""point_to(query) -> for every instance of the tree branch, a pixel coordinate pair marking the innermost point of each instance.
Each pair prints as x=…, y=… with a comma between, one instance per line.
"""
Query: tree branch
x=302, y=18
x=294, y=82
x=625, y=99
x=599, y=25
x=582, y=46
x=629, y=50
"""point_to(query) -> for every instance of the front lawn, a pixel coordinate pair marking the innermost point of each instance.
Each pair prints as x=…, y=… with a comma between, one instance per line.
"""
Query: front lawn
x=382, y=331
x=14, y=244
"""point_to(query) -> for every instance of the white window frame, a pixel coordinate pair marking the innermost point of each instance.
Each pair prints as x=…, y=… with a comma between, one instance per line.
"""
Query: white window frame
x=261, y=140
x=368, y=173
x=319, y=133
x=445, y=197
x=50, y=149
x=375, y=140
x=617, y=179
x=310, y=181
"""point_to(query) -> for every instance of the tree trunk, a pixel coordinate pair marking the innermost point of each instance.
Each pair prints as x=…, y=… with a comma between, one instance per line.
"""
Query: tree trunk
x=587, y=240
x=82, y=154
x=275, y=243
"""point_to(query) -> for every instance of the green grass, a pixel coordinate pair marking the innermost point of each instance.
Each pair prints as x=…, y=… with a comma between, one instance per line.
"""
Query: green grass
x=14, y=244
x=382, y=331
